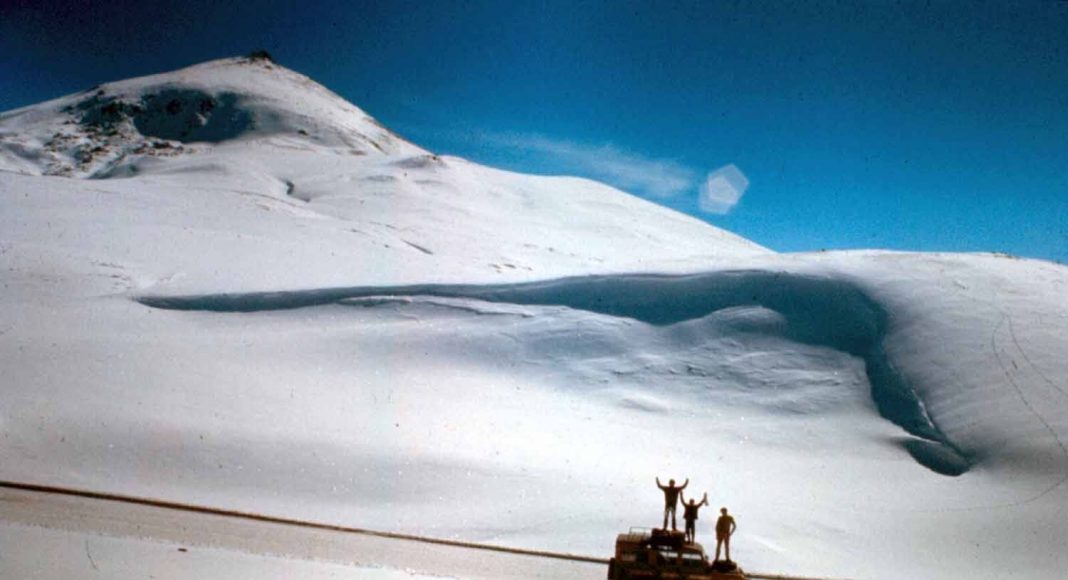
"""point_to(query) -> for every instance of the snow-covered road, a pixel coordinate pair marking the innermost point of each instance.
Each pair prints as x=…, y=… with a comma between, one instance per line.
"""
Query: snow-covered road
x=75, y=536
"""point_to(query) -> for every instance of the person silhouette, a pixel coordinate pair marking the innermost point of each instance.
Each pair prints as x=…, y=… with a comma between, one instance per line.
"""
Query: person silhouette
x=671, y=499
x=690, y=514
x=725, y=527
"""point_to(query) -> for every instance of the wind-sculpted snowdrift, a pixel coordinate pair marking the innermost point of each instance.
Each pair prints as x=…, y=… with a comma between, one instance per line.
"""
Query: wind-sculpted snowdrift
x=959, y=351
x=817, y=310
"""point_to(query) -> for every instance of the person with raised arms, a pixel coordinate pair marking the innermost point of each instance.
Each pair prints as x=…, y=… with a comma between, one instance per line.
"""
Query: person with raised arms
x=671, y=499
x=689, y=514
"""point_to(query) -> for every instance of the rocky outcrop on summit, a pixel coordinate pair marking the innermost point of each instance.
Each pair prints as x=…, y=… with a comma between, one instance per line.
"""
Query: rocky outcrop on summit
x=97, y=132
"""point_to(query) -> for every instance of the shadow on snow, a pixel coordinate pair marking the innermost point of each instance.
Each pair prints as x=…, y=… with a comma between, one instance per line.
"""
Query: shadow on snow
x=819, y=310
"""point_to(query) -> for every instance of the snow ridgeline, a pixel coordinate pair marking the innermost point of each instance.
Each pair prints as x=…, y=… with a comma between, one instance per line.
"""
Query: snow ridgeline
x=817, y=310
x=112, y=129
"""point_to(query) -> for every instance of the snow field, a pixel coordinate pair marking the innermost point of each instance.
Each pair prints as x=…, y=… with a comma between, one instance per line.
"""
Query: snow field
x=290, y=310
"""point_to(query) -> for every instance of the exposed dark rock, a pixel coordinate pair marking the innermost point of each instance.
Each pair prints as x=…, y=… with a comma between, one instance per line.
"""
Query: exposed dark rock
x=260, y=54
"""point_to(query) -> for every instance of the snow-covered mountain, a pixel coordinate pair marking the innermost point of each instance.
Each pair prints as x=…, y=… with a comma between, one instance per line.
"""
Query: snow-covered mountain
x=348, y=201
x=225, y=285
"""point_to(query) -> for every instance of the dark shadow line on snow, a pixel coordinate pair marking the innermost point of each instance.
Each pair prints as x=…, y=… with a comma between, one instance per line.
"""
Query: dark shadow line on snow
x=819, y=310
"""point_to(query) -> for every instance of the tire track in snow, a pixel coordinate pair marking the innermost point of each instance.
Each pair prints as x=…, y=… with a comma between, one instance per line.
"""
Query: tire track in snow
x=1029, y=406
x=215, y=511
x=1030, y=362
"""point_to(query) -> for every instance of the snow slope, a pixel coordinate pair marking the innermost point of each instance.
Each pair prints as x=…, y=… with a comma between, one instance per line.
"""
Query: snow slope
x=339, y=198
x=77, y=537
x=225, y=285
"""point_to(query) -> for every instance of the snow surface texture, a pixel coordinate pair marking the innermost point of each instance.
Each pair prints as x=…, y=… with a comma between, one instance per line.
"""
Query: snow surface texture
x=84, y=538
x=258, y=298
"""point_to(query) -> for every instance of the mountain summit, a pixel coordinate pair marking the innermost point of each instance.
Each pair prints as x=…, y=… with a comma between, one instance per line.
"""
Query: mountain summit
x=103, y=131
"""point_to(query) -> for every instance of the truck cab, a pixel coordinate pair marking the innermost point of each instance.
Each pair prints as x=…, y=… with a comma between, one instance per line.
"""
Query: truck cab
x=644, y=553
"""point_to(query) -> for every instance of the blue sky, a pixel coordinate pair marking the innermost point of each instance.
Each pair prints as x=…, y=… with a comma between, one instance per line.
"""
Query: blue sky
x=903, y=125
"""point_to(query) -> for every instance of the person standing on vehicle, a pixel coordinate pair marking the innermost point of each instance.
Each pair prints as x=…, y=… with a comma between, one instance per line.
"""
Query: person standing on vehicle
x=690, y=514
x=671, y=499
x=725, y=527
